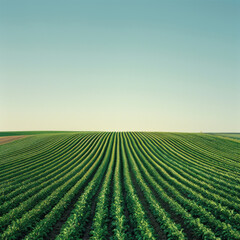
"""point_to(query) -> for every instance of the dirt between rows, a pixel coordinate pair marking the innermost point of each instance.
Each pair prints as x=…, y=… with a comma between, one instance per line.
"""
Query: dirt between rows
x=8, y=139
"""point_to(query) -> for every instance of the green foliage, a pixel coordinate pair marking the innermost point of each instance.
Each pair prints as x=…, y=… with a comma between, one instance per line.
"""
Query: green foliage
x=120, y=186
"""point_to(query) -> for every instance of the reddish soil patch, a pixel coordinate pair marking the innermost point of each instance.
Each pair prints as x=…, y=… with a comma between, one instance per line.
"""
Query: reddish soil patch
x=8, y=139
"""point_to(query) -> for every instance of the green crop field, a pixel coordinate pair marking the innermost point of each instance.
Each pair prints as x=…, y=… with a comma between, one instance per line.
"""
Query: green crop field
x=228, y=135
x=105, y=185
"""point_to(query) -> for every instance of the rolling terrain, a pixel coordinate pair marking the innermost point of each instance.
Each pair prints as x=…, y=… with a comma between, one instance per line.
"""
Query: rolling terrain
x=131, y=185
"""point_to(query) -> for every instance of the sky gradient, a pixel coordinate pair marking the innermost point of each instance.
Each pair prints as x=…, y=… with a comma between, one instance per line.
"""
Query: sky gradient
x=120, y=65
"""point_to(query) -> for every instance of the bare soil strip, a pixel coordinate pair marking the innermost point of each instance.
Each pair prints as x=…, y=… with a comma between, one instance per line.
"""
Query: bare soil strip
x=8, y=139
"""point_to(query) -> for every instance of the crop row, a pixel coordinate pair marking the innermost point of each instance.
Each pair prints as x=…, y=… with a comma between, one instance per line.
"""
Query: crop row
x=134, y=185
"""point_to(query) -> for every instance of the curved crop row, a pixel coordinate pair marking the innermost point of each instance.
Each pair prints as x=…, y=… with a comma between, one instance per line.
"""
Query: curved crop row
x=194, y=208
x=60, y=188
x=120, y=186
x=27, y=191
x=45, y=225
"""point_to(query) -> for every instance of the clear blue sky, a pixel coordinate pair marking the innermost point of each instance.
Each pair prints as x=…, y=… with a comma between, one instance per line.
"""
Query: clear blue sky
x=120, y=65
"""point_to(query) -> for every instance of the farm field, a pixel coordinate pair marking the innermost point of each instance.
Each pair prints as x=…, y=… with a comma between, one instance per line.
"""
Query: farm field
x=228, y=135
x=124, y=185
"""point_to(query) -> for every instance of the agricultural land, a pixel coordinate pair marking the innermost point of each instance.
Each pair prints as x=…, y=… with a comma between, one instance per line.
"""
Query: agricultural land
x=119, y=185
